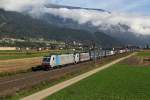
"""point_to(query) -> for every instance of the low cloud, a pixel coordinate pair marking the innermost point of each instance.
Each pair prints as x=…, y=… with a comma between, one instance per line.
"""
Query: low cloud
x=103, y=20
x=22, y=5
x=137, y=24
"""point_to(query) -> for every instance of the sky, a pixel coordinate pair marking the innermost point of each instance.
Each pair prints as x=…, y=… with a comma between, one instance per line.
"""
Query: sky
x=141, y=7
x=132, y=13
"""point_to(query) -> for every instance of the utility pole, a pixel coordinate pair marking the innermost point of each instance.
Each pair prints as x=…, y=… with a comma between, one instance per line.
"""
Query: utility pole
x=93, y=46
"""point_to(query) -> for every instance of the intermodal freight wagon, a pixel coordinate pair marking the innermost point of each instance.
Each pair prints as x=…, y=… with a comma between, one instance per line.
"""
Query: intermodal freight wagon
x=64, y=59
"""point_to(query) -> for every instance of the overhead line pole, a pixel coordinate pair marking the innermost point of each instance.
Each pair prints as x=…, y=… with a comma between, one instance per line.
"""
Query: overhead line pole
x=94, y=45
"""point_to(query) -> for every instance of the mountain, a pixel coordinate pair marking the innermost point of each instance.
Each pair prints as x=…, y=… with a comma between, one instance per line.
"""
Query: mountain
x=52, y=26
x=19, y=25
x=66, y=22
x=125, y=36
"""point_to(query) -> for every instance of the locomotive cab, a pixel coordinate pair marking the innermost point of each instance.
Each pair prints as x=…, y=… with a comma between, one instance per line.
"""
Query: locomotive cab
x=48, y=62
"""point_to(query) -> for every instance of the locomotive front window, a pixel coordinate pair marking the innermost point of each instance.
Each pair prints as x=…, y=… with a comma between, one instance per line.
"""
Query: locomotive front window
x=46, y=59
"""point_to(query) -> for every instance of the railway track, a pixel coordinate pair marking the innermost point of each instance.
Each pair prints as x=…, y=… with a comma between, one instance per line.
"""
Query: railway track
x=49, y=91
x=10, y=85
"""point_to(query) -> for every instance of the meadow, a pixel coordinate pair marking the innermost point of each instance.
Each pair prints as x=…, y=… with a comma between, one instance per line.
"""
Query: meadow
x=7, y=55
x=44, y=85
x=143, y=54
x=119, y=82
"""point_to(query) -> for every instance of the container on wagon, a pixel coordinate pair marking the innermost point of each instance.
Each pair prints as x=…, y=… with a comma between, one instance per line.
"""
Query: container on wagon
x=84, y=57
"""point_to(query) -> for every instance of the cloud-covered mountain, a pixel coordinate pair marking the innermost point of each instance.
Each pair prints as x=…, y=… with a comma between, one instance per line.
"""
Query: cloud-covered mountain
x=97, y=17
x=129, y=28
x=17, y=25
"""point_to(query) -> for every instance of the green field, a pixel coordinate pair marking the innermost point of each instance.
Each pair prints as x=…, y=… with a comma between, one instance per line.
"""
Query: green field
x=44, y=85
x=20, y=56
x=119, y=82
x=6, y=55
x=143, y=54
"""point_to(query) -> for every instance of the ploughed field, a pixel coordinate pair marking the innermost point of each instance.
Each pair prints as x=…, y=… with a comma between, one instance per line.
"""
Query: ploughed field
x=14, y=61
x=127, y=80
x=9, y=66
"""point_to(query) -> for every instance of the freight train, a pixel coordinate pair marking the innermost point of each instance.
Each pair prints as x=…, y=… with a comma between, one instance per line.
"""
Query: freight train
x=54, y=61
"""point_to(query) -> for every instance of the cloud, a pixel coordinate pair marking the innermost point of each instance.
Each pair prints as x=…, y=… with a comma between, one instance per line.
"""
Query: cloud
x=102, y=20
x=111, y=5
x=33, y=7
x=22, y=5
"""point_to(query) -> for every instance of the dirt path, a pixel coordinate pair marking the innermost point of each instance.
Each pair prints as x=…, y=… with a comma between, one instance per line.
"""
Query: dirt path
x=44, y=93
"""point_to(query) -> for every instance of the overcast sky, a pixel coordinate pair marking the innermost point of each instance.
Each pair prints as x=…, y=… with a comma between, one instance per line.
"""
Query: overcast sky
x=129, y=6
x=125, y=12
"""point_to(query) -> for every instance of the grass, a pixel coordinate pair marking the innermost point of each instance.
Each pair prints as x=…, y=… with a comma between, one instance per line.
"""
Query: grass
x=47, y=84
x=43, y=85
x=7, y=55
x=119, y=82
x=143, y=54
x=3, y=51
x=20, y=55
